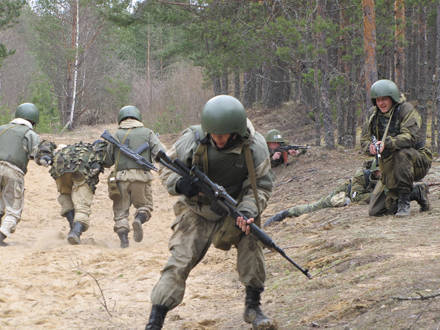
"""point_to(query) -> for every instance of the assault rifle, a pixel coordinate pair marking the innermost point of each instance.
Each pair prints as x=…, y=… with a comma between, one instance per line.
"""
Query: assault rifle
x=377, y=147
x=290, y=147
x=218, y=195
x=128, y=152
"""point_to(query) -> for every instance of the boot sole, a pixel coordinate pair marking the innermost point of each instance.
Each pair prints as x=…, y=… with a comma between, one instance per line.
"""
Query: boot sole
x=73, y=240
x=138, y=233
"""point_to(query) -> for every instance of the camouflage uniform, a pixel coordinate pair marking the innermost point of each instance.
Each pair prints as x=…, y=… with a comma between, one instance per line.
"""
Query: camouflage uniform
x=197, y=225
x=76, y=170
x=134, y=182
x=18, y=144
x=356, y=190
x=404, y=159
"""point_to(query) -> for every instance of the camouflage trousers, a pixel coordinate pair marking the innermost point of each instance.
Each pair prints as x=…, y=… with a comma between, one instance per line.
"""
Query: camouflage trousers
x=191, y=239
x=336, y=198
x=75, y=194
x=11, y=198
x=399, y=172
x=135, y=193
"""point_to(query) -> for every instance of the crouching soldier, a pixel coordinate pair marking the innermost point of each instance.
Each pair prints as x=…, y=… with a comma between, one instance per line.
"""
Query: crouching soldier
x=130, y=183
x=76, y=170
x=18, y=144
x=404, y=159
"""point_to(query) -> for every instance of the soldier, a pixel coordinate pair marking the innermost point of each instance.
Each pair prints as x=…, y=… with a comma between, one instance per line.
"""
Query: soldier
x=18, y=144
x=403, y=156
x=229, y=150
x=76, y=170
x=274, y=140
x=357, y=190
x=133, y=182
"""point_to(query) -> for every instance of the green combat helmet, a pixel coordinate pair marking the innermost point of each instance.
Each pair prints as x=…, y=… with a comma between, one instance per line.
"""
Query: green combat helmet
x=384, y=87
x=29, y=112
x=224, y=114
x=129, y=111
x=274, y=135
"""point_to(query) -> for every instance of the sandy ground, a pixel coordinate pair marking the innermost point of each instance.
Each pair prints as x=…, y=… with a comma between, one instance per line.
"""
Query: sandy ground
x=359, y=264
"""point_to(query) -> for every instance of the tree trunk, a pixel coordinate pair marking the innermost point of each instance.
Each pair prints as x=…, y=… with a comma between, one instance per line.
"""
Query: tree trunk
x=399, y=41
x=437, y=75
x=422, y=85
x=217, y=85
x=225, y=83
x=237, y=86
x=327, y=119
x=370, y=66
x=249, y=88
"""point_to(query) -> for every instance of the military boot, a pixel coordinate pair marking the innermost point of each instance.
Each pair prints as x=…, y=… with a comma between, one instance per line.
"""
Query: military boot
x=253, y=314
x=70, y=215
x=2, y=239
x=420, y=193
x=75, y=233
x=157, y=317
x=123, y=236
x=139, y=220
x=403, y=205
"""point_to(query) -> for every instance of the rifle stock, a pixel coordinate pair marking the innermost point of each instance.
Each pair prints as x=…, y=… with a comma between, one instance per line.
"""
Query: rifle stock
x=219, y=195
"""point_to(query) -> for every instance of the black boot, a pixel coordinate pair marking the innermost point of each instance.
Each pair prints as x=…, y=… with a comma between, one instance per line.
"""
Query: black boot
x=157, y=317
x=75, y=233
x=252, y=313
x=403, y=205
x=420, y=193
x=70, y=215
x=2, y=240
x=123, y=236
x=139, y=220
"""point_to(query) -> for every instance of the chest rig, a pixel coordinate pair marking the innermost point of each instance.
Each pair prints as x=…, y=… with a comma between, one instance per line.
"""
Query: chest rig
x=226, y=169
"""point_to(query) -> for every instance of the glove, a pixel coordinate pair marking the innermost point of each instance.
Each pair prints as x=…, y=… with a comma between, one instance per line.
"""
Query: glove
x=185, y=187
x=45, y=161
x=277, y=217
x=95, y=169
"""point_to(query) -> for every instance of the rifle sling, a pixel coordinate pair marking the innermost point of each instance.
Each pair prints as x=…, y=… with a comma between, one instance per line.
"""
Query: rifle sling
x=119, y=151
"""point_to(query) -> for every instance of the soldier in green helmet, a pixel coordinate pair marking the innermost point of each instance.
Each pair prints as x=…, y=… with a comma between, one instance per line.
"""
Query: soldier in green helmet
x=274, y=140
x=228, y=149
x=75, y=169
x=18, y=144
x=403, y=157
x=131, y=182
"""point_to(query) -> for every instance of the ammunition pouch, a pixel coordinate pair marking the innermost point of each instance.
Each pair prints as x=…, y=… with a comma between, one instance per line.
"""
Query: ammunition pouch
x=227, y=235
x=113, y=188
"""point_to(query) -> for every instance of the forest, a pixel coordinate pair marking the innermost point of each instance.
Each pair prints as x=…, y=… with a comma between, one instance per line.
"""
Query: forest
x=79, y=61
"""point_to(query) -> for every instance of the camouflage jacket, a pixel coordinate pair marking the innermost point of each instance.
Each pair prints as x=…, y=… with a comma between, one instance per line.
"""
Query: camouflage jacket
x=404, y=130
x=85, y=158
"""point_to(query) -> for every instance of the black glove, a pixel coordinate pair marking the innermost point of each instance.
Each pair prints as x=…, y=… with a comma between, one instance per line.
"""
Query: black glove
x=277, y=217
x=185, y=187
